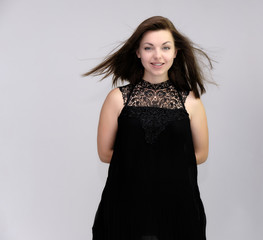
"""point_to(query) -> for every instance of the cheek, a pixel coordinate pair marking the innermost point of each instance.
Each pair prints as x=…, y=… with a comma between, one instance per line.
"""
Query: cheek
x=144, y=63
x=171, y=57
x=170, y=61
x=144, y=58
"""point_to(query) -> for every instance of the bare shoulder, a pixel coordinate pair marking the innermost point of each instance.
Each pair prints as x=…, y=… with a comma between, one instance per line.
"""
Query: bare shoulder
x=193, y=104
x=191, y=99
x=114, y=95
x=114, y=100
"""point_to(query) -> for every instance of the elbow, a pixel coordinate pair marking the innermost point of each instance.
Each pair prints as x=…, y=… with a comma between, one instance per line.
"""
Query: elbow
x=201, y=157
x=105, y=156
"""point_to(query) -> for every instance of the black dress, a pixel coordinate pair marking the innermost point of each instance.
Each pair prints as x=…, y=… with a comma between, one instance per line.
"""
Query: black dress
x=151, y=191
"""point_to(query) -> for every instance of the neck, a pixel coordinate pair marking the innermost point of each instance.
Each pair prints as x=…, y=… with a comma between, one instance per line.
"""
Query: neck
x=155, y=79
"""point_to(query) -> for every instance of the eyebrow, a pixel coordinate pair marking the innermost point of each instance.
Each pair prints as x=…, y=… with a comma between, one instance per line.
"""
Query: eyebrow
x=162, y=44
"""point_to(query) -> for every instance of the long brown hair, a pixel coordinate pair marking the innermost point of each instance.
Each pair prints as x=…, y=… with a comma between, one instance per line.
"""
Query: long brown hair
x=185, y=73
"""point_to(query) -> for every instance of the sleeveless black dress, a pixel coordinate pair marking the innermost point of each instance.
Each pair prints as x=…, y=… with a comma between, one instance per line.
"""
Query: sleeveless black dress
x=151, y=191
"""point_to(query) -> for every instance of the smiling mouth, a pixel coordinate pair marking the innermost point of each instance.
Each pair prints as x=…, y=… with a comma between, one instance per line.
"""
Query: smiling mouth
x=157, y=64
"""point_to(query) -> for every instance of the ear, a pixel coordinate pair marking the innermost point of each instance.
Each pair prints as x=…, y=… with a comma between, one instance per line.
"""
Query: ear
x=138, y=53
x=175, y=53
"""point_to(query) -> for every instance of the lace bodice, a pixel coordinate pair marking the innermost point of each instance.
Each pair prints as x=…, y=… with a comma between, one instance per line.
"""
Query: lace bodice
x=155, y=105
x=160, y=95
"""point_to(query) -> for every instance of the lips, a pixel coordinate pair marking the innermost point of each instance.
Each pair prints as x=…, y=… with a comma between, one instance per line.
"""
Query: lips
x=157, y=64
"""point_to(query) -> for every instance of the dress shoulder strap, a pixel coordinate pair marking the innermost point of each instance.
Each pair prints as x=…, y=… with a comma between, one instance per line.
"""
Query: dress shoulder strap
x=183, y=95
x=126, y=92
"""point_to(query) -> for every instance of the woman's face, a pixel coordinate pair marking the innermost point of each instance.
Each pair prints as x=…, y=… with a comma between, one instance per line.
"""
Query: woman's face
x=157, y=53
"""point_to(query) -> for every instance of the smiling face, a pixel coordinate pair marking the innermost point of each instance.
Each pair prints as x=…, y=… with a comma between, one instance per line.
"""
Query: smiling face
x=157, y=52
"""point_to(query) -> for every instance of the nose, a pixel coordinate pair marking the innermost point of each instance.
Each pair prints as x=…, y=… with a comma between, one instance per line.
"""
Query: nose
x=157, y=54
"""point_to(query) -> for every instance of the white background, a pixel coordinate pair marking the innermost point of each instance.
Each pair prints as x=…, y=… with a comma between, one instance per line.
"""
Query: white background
x=50, y=176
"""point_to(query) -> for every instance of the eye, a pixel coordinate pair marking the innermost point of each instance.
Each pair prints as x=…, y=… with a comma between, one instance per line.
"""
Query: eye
x=147, y=48
x=166, y=48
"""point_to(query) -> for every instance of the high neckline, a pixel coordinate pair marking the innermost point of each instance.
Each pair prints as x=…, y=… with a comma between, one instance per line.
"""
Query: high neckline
x=160, y=85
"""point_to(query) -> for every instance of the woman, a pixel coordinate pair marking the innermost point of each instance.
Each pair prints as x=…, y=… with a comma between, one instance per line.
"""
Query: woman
x=153, y=132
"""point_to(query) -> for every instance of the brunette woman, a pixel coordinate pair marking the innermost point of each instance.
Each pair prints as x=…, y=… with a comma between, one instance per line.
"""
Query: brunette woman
x=153, y=132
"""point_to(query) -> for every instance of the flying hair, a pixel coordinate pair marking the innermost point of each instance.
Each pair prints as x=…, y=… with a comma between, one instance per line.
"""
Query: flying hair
x=186, y=72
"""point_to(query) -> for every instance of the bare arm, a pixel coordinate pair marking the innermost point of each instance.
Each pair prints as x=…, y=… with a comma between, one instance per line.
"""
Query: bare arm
x=198, y=122
x=108, y=124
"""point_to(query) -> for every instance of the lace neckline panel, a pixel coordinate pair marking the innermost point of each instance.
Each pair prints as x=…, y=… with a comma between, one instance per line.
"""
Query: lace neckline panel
x=155, y=105
x=158, y=95
x=156, y=86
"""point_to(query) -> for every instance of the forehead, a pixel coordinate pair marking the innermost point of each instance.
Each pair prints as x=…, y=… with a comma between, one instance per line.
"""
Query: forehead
x=157, y=37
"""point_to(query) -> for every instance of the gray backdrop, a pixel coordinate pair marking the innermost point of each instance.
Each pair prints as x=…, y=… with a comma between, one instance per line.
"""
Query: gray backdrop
x=50, y=176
